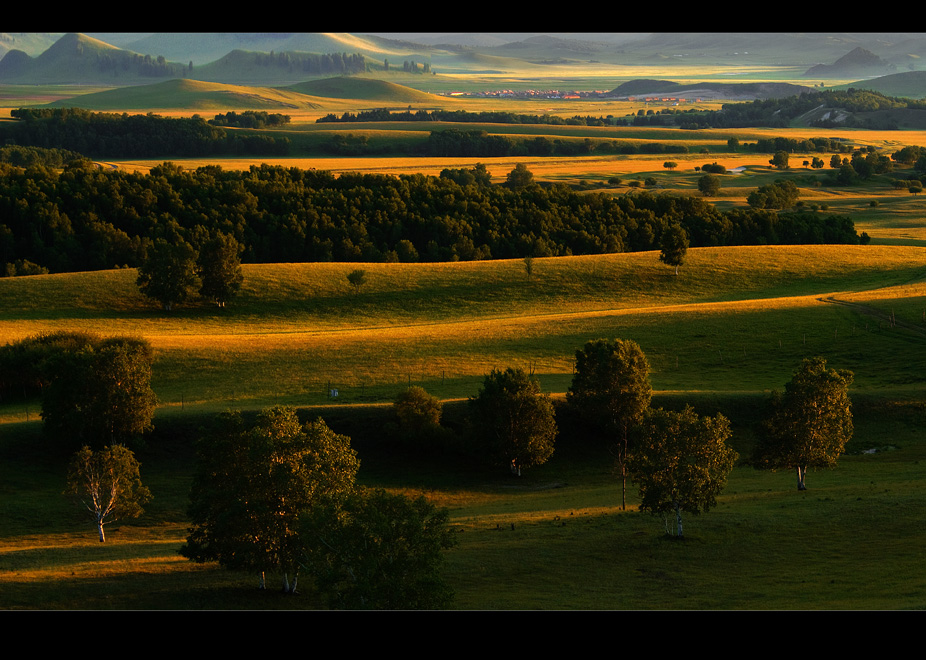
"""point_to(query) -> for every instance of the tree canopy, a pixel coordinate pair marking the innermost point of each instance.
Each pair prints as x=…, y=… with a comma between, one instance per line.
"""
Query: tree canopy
x=108, y=484
x=99, y=393
x=777, y=195
x=378, y=550
x=219, y=268
x=85, y=218
x=512, y=420
x=709, y=185
x=417, y=415
x=168, y=273
x=252, y=483
x=810, y=423
x=611, y=390
x=680, y=461
x=674, y=246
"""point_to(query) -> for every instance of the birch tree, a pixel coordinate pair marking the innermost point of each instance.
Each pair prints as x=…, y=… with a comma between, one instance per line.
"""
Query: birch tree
x=168, y=273
x=811, y=422
x=674, y=246
x=108, y=484
x=680, y=462
x=611, y=390
x=219, y=268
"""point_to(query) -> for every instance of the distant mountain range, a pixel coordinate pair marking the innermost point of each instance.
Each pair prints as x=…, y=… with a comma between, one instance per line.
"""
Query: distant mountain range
x=283, y=59
x=857, y=62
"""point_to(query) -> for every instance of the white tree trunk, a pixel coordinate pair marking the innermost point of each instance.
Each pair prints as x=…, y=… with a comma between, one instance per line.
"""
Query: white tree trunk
x=99, y=524
x=289, y=588
x=801, y=473
x=678, y=520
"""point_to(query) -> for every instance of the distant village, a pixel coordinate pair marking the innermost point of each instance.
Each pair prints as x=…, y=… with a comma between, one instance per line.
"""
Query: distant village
x=557, y=94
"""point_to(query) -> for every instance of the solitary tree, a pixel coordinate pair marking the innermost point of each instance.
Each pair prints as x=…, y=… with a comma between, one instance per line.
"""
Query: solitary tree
x=519, y=177
x=780, y=160
x=219, y=267
x=378, y=550
x=674, y=246
x=108, y=484
x=168, y=273
x=680, y=462
x=709, y=185
x=611, y=389
x=810, y=423
x=529, y=266
x=252, y=484
x=357, y=278
x=418, y=414
x=513, y=419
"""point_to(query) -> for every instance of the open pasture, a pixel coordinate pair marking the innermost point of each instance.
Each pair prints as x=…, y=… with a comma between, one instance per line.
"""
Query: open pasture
x=735, y=319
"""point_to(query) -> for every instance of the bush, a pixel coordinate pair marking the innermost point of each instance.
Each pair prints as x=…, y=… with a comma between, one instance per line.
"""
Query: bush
x=417, y=416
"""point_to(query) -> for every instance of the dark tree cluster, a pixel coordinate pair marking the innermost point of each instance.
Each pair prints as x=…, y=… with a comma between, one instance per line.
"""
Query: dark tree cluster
x=481, y=143
x=313, y=63
x=250, y=119
x=107, y=135
x=35, y=156
x=463, y=116
x=777, y=195
x=778, y=113
x=95, y=391
x=87, y=218
x=123, y=63
x=279, y=494
x=790, y=145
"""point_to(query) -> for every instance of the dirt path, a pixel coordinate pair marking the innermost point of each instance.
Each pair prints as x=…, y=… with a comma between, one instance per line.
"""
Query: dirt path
x=874, y=312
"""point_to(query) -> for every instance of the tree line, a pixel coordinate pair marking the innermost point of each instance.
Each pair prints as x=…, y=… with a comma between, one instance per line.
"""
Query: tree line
x=312, y=63
x=88, y=218
x=108, y=135
x=779, y=112
x=250, y=119
x=464, y=116
x=772, y=113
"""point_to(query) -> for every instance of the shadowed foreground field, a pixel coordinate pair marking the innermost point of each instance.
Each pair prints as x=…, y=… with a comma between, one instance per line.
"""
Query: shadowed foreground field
x=732, y=325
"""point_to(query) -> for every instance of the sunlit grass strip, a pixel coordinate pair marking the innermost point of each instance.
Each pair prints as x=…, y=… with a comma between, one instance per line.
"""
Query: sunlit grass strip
x=735, y=318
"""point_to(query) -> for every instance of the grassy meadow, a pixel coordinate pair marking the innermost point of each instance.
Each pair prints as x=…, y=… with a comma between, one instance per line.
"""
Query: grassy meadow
x=732, y=325
x=728, y=329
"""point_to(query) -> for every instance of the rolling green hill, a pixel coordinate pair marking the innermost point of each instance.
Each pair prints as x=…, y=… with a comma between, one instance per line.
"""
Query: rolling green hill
x=909, y=84
x=364, y=89
x=189, y=95
x=185, y=94
x=734, y=319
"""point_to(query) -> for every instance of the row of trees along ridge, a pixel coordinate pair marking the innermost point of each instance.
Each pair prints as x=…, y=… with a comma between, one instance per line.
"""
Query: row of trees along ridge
x=87, y=218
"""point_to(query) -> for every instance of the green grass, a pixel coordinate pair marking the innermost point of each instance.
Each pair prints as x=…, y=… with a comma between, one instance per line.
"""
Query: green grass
x=733, y=324
x=554, y=539
x=734, y=319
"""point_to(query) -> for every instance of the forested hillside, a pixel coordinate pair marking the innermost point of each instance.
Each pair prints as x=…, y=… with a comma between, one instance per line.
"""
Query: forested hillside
x=105, y=135
x=780, y=112
x=86, y=218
